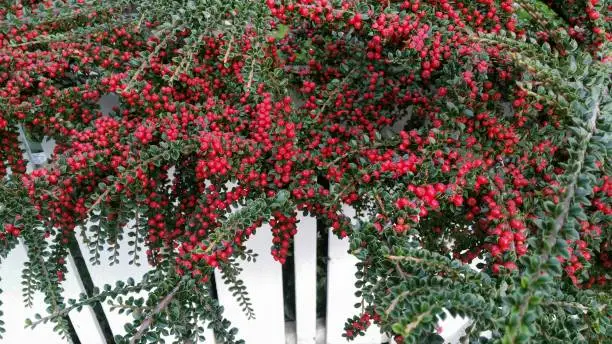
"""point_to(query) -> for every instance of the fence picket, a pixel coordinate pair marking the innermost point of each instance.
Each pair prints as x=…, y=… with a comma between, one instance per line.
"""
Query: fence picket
x=85, y=324
x=263, y=280
x=341, y=291
x=15, y=312
x=305, y=251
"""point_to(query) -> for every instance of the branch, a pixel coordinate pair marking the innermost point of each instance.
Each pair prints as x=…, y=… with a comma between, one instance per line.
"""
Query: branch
x=71, y=14
x=341, y=193
x=397, y=300
x=458, y=273
x=411, y=326
x=390, y=143
x=380, y=204
x=248, y=85
x=399, y=258
x=71, y=36
x=399, y=297
x=562, y=217
x=335, y=92
x=64, y=311
x=575, y=305
x=145, y=64
x=97, y=201
x=394, y=303
x=401, y=272
x=560, y=220
x=229, y=49
x=141, y=164
x=158, y=309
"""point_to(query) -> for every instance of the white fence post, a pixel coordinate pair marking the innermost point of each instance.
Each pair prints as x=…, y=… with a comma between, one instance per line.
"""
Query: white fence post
x=305, y=259
x=264, y=283
x=341, y=290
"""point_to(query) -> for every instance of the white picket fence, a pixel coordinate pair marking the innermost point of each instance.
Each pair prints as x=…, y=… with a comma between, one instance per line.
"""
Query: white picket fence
x=263, y=280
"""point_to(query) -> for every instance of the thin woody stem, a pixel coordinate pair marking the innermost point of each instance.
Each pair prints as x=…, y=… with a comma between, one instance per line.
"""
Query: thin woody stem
x=161, y=306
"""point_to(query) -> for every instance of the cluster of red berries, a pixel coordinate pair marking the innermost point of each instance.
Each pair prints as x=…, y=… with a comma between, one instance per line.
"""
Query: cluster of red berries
x=10, y=229
x=284, y=228
x=359, y=324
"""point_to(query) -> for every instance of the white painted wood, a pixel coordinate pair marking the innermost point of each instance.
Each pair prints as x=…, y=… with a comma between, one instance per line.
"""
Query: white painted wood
x=305, y=251
x=14, y=309
x=209, y=335
x=452, y=328
x=341, y=290
x=85, y=323
x=263, y=280
x=291, y=338
x=104, y=274
x=15, y=312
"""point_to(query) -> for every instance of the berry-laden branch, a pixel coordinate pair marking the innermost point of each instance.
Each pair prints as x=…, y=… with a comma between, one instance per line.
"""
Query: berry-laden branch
x=562, y=210
x=470, y=137
x=590, y=128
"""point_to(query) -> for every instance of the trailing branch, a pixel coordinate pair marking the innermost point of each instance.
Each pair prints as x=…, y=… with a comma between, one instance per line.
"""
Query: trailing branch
x=590, y=127
x=161, y=306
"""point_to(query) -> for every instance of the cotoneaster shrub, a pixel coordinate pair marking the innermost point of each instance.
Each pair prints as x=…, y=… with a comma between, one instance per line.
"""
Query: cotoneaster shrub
x=472, y=137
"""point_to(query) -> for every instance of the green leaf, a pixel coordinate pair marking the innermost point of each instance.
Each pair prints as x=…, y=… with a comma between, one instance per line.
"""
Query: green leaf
x=398, y=328
x=281, y=32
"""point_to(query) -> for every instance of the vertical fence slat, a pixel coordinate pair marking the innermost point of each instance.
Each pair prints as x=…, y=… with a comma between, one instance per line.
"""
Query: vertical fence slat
x=305, y=259
x=209, y=335
x=263, y=280
x=105, y=274
x=341, y=291
x=452, y=328
x=14, y=309
x=85, y=324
